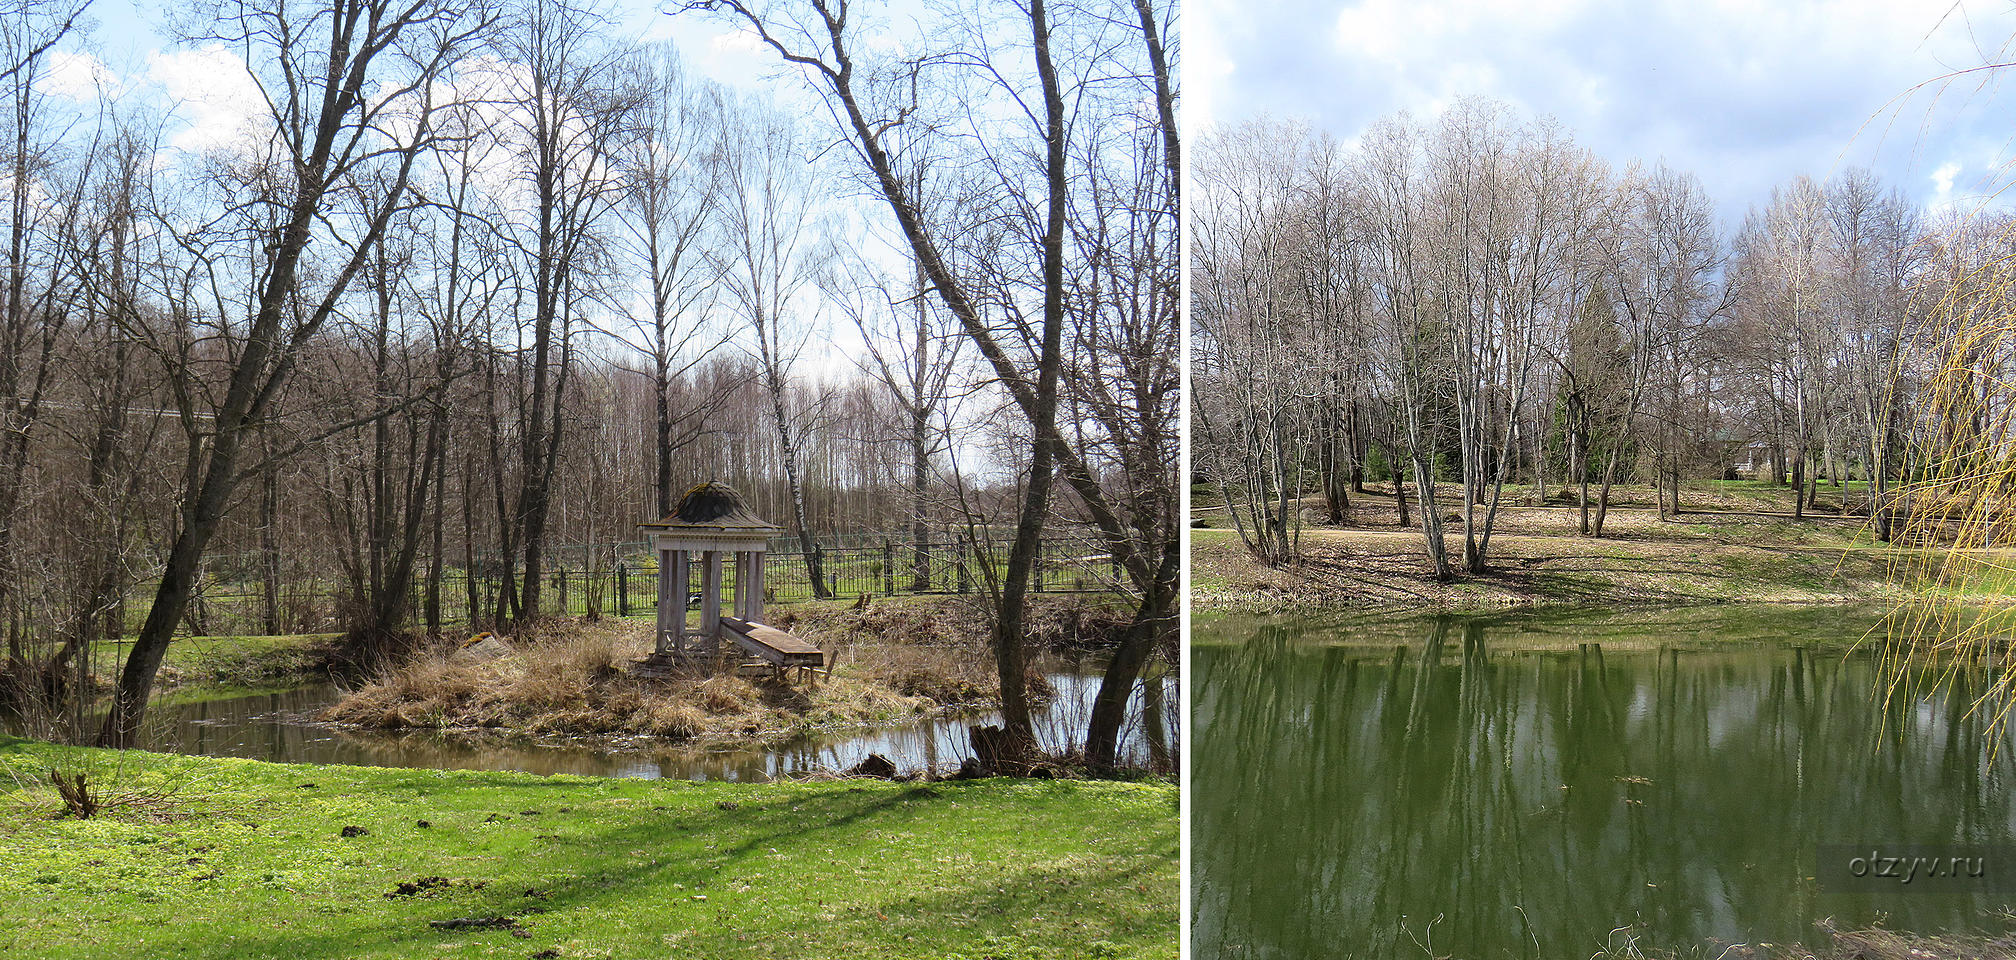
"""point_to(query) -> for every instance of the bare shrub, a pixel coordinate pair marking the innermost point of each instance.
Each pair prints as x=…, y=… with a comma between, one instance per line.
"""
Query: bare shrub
x=78, y=800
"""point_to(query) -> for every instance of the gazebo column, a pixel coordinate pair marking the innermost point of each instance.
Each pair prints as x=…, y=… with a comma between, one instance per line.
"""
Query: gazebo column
x=664, y=631
x=755, y=614
x=710, y=600
x=680, y=586
x=741, y=606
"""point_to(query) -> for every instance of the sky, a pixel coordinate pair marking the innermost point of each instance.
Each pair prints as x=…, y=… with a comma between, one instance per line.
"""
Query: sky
x=131, y=44
x=1743, y=94
x=130, y=49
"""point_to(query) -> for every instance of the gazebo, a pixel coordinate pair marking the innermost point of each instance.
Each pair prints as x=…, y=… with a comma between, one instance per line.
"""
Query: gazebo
x=710, y=523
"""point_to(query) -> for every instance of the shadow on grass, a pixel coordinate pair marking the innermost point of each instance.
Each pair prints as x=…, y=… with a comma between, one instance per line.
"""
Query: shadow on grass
x=603, y=869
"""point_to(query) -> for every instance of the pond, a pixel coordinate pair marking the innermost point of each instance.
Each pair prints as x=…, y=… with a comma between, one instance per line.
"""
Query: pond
x=1554, y=785
x=278, y=727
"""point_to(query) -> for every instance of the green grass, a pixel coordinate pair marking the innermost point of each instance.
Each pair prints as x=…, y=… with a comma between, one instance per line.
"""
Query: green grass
x=244, y=661
x=1685, y=562
x=237, y=604
x=233, y=858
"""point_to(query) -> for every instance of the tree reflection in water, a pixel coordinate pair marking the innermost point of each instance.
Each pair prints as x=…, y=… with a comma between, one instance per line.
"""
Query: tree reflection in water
x=1465, y=792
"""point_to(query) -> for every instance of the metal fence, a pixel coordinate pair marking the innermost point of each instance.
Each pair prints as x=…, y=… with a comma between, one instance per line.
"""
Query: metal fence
x=621, y=580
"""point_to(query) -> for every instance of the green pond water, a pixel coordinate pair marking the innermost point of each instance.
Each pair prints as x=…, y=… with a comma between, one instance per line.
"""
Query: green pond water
x=1554, y=785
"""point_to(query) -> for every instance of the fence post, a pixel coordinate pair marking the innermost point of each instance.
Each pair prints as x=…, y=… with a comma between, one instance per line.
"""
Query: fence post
x=1036, y=566
x=959, y=562
x=622, y=589
x=888, y=568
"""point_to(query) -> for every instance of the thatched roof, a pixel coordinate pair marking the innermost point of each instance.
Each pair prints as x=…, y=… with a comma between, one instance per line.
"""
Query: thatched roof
x=713, y=506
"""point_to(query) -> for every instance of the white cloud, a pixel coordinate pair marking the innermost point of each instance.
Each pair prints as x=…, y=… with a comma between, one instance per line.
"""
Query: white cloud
x=212, y=91
x=1942, y=178
x=737, y=57
x=77, y=77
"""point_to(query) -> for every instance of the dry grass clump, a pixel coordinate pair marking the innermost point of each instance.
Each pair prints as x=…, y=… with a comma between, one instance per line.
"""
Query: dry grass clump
x=893, y=660
x=570, y=681
x=1056, y=622
x=946, y=674
x=942, y=650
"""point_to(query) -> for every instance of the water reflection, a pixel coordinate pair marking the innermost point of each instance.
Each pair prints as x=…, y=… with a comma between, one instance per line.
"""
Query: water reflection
x=1464, y=794
x=271, y=727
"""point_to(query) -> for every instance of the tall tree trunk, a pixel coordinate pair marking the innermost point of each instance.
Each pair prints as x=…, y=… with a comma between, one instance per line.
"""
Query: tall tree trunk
x=1010, y=661
x=269, y=547
x=1154, y=621
x=773, y=382
x=1399, y=486
x=434, y=553
x=661, y=432
x=1431, y=516
x=1799, y=484
x=920, y=504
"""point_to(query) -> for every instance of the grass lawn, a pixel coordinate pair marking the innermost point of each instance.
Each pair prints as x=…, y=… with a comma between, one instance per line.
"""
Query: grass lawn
x=1734, y=545
x=231, y=858
x=244, y=661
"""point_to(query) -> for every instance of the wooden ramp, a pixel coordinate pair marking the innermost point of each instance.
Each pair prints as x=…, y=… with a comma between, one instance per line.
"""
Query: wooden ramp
x=772, y=644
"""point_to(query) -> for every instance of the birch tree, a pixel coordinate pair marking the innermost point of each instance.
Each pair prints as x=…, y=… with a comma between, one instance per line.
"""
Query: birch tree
x=769, y=212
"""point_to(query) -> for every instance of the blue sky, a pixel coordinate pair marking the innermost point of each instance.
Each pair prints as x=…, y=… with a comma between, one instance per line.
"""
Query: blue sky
x=131, y=45
x=1743, y=94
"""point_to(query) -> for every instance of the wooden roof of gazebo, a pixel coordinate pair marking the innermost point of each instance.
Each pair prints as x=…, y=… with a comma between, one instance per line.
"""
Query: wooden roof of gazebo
x=714, y=507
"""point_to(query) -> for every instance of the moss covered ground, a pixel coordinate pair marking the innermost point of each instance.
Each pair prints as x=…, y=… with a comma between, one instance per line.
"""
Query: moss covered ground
x=196, y=857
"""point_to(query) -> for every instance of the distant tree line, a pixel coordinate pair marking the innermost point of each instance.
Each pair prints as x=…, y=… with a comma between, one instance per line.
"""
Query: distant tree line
x=1448, y=307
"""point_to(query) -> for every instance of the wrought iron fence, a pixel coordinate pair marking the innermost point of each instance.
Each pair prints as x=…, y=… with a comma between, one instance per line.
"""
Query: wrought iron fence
x=621, y=580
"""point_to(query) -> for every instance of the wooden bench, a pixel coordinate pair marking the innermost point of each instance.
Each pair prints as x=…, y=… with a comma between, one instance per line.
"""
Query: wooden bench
x=772, y=644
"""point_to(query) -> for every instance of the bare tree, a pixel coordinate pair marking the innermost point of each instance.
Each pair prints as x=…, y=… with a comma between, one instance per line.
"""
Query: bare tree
x=36, y=274
x=361, y=105
x=1875, y=261
x=674, y=172
x=1026, y=152
x=574, y=113
x=1411, y=316
x=913, y=352
x=768, y=215
x=1252, y=332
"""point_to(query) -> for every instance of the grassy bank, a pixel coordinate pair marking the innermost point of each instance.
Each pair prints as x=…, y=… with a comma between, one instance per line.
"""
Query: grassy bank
x=227, y=858
x=1736, y=543
x=202, y=664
